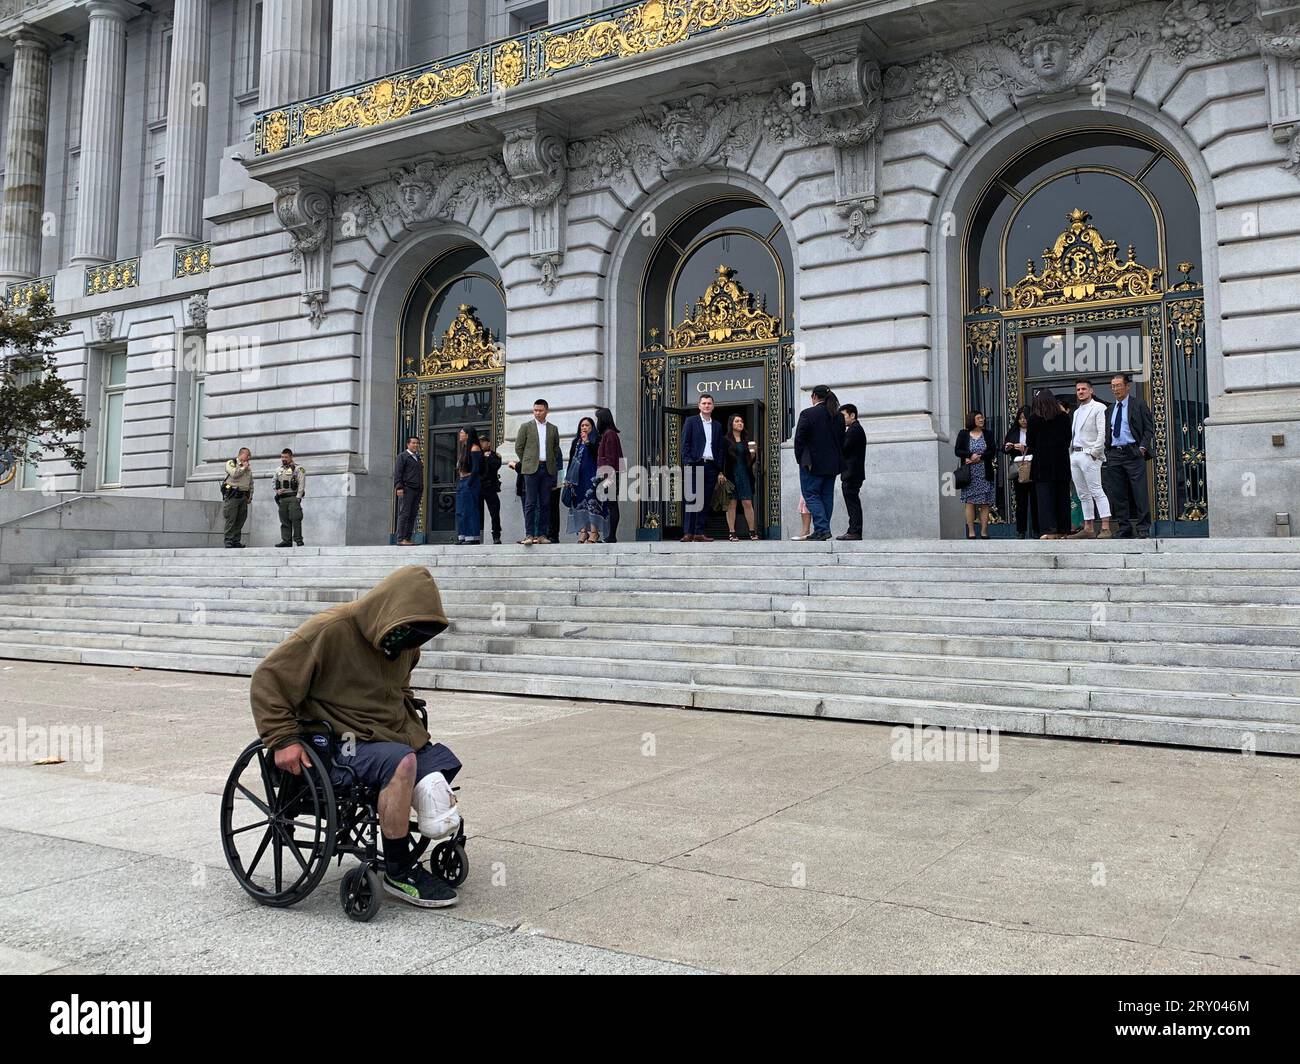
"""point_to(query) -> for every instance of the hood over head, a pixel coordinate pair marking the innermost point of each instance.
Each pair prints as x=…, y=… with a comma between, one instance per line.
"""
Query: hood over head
x=406, y=598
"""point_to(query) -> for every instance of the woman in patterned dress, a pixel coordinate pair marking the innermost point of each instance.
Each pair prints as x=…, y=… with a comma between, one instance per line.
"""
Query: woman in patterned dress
x=974, y=451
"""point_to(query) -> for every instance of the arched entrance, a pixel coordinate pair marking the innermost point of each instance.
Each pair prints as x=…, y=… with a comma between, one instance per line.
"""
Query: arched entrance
x=714, y=317
x=450, y=373
x=1050, y=297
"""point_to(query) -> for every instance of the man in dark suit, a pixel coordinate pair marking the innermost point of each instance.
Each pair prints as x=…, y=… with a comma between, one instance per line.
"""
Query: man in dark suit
x=408, y=482
x=1130, y=445
x=819, y=450
x=703, y=452
x=854, y=469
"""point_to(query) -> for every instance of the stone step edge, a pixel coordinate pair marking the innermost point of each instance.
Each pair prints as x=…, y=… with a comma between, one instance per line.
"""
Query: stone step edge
x=258, y=620
x=241, y=667
x=235, y=634
x=1280, y=738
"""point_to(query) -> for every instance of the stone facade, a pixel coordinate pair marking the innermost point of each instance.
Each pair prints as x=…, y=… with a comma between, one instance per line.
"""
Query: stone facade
x=870, y=133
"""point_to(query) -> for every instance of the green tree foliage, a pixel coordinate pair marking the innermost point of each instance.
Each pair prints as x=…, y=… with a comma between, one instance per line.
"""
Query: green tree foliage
x=40, y=415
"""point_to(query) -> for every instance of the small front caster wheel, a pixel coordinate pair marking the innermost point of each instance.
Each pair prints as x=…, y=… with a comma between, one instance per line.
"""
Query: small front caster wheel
x=449, y=863
x=359, y=893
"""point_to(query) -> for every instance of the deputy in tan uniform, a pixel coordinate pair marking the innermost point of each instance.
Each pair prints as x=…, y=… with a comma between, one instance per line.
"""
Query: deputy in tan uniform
x=237, y=491
x=290, y=482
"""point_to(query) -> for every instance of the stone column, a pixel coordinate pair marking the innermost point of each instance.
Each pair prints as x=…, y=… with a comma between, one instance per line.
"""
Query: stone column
x=102, y=97
x=563, y=10
x=368, y=39
x=24, y=191
x=295, y=41
x=468, y=25
x=187, y=124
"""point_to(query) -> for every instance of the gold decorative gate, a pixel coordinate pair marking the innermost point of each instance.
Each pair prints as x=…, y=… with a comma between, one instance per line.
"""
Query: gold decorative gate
x=1102, y=315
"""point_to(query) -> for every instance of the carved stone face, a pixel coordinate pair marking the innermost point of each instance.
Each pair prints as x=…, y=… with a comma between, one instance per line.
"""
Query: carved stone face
x=414, y=196
x=679, y=133
x=1049, y=59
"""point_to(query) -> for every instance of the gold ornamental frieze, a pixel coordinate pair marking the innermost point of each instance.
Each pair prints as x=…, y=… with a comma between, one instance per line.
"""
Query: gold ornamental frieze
x=467, y=347
x=725, y=315
x=624, y=31
x=1082, y=267
x=391, y=98
x=646, y=28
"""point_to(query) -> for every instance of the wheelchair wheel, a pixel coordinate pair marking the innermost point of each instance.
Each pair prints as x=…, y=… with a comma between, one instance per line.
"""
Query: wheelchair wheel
x=359, y=893
x=449, y=863
x=277, y=829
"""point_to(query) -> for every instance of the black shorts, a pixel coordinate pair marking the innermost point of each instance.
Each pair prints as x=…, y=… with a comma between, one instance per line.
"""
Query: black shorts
x=375, y=762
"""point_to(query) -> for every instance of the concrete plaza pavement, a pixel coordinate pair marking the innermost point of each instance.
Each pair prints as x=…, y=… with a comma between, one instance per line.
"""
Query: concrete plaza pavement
x=624, y=838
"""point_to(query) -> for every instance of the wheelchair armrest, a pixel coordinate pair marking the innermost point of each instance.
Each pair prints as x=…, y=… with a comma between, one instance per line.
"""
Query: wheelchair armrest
x=419, y=704
x=322, y=725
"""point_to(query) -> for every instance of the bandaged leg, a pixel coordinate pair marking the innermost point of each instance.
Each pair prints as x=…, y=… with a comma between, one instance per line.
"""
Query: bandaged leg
x=435, y=806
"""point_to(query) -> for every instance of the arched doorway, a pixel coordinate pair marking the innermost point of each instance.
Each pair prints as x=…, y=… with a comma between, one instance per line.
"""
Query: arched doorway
x=1051, y=297
x=450, y=373
x=714, y=317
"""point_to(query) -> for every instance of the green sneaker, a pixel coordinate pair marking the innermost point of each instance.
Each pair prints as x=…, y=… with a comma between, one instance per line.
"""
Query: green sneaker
x=417, y=887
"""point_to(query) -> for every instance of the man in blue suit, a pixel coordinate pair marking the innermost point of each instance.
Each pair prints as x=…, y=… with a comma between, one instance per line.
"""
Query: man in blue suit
x=702, y=460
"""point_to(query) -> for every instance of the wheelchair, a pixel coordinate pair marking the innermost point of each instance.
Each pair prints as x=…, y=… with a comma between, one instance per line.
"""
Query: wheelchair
x=307, y=822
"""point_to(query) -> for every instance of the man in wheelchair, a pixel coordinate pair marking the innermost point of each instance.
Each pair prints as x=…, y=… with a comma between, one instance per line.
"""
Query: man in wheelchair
x=350, y=667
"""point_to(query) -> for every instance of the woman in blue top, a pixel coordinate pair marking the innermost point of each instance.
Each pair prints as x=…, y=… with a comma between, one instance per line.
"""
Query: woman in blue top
x=588, y=516
x=469, y=488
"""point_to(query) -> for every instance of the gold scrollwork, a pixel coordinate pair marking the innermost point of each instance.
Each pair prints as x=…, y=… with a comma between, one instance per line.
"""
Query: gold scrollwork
x=406, y=396
x=1082, y=267
x=725, y=314
x=1185, y=319
x=20, y=294
x=508, y=65
x=982, y=338
x=193, y=259
x=467, y=347
x=390, y=99
x=653, y=371
x=646, y=28
x=112, y=277
x=275, y=131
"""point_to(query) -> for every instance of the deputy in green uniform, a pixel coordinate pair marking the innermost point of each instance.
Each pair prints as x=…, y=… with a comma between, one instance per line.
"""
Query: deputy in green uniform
x=237, y=491
x=290, y=482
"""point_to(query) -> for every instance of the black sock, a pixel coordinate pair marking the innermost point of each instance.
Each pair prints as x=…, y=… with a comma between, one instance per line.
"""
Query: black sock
x=397, y=854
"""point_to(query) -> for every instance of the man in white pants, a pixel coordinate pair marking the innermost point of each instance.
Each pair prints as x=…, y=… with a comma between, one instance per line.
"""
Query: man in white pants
x=1087, y=453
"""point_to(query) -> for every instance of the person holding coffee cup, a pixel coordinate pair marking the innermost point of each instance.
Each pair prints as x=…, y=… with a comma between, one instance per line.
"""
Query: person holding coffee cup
x=738, y=467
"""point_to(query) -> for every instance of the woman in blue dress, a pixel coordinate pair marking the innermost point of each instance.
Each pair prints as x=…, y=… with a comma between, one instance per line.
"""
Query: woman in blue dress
x=469, y=488
x=738, y=467
x=588, y=516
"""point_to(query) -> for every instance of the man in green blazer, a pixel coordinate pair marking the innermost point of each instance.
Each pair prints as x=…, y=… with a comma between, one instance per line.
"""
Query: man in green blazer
x=539, y=474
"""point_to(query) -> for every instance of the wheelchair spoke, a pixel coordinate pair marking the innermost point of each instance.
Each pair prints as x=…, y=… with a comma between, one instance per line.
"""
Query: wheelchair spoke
x=292, y=843
x=254, y=799
x=266, y=777
x=249, y=827
x=278, y=856
x=260, y=850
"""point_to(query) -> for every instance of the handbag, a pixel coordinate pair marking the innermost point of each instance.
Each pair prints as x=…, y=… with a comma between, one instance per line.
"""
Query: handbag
x=723, y=492
x=962, y=476
x=566, y=495
x=1023, y=470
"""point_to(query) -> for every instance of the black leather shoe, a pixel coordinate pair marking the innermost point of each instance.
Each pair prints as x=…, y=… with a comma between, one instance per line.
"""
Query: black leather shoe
x=849, y=536
x=285, y=544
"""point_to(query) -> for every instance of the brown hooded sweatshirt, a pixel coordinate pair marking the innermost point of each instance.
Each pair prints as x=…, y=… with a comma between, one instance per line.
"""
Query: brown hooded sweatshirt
x=332, y=669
